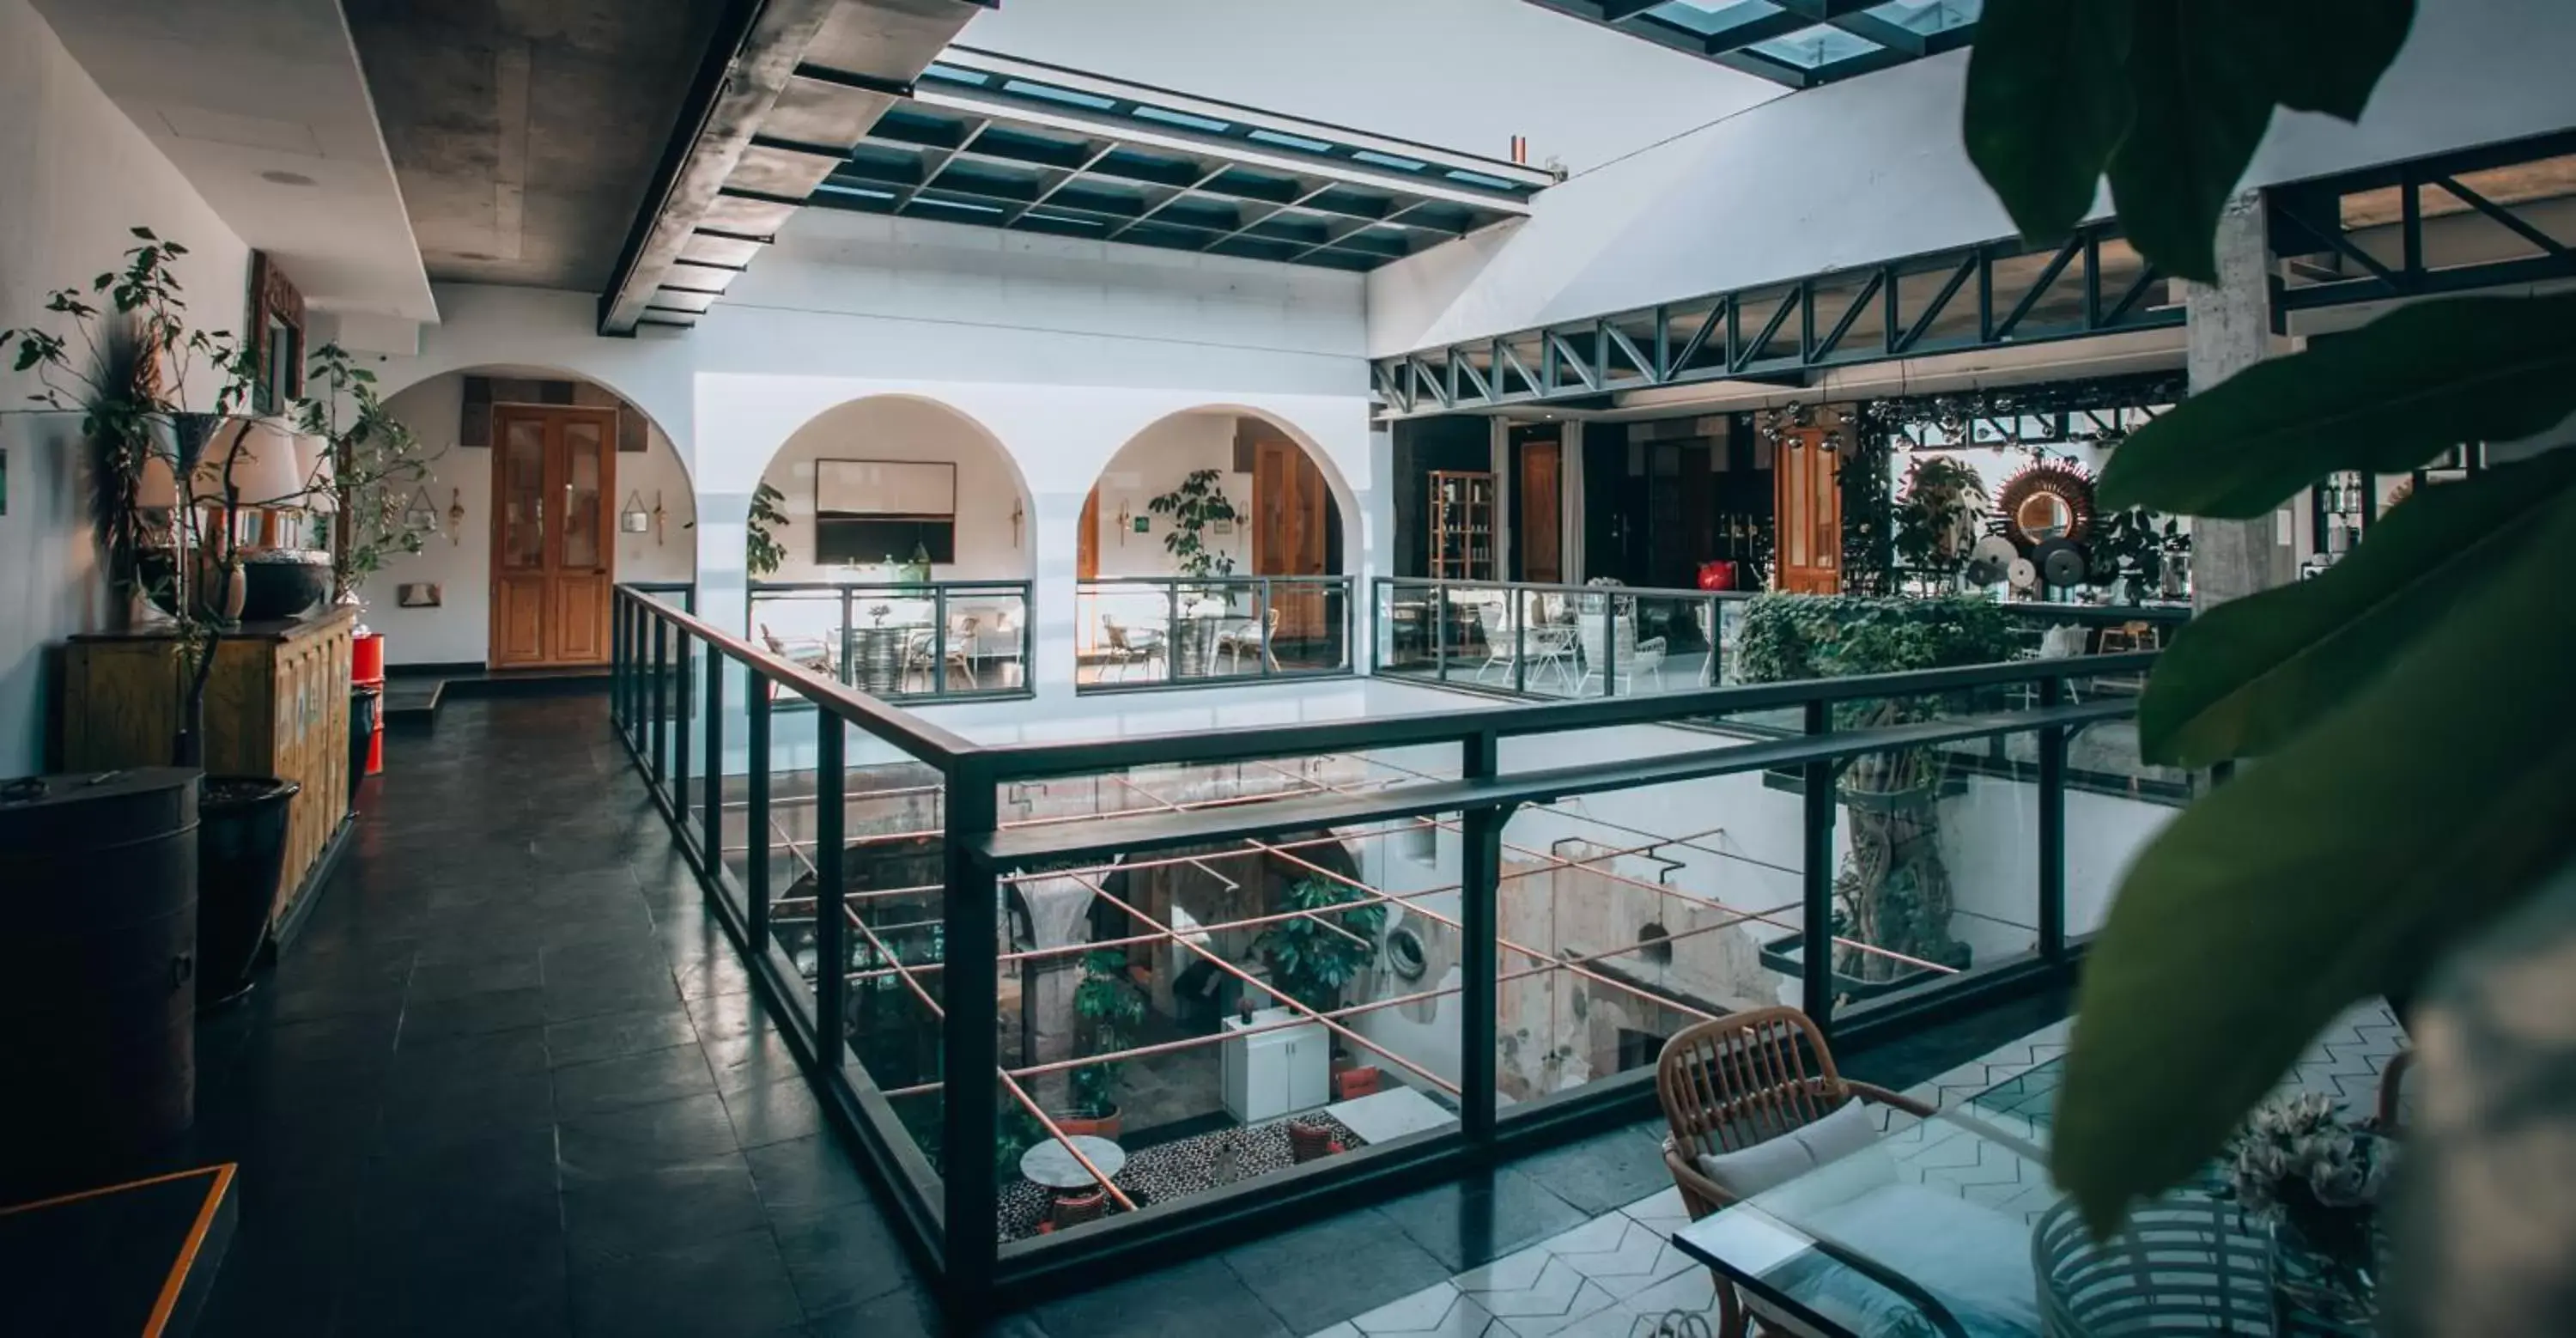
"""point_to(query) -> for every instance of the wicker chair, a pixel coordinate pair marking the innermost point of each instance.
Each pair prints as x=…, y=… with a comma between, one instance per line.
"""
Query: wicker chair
x=1742, y=1079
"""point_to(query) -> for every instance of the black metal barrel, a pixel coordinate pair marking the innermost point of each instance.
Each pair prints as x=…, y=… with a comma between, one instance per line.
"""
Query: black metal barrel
x=98, y=893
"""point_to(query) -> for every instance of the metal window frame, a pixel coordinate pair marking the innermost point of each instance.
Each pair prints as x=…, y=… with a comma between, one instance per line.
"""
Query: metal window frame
x=2305, y=219
x=1734, y=45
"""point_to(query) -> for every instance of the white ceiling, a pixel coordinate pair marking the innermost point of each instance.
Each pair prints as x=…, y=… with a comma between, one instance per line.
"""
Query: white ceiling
x=251, y=100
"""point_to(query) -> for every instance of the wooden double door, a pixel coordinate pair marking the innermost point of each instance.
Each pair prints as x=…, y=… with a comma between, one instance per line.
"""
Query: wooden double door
x=554, y=545
x=1291, y=515
x=1808, y=513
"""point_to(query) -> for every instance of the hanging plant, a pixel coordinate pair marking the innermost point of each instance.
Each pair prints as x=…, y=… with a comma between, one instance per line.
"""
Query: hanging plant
x=1939, y=516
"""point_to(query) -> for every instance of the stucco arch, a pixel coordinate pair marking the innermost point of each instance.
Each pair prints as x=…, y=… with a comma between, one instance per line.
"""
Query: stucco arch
x=1346, y=502
x=976, y=508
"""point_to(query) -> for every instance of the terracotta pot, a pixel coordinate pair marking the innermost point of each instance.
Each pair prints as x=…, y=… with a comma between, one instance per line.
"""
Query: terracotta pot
x=1076, y=1126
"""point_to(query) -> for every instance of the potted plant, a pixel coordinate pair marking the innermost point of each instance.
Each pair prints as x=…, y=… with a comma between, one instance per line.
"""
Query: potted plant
x=763, y=554
x=1109, y=1010
x=130, y=379
x=2315, y=1179
x=1893, y=889
x=1198, y=503
x=1937, y=518
x=1313, y=957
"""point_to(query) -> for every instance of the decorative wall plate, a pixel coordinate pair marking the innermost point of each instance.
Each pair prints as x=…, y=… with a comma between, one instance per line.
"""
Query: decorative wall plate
x=2049, y=500
x=1991, y=560
x=2023, y=575
x=2060, y=562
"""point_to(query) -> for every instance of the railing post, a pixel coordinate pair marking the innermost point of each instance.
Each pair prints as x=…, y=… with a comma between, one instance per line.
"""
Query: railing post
x=687, y=658
x=2052, y=827
x=1610, y=645
x=1440, y=628
x=1261, y=627
x=1710, y=673
x=969, y=1054
x=661, y=675
x=939, y=639
x=1520, y=641
x=714, y=783
x=831, y=885
x=1480, y=867
x=1817, y=882
x=755, y=814
x=1173, y=632
x=848, y=672
x=617, y=662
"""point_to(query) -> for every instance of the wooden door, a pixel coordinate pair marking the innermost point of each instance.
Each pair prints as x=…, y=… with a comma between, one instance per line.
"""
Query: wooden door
x=1539, y=542
x=1288, y=522
x=554, y=547
x=1808, y=513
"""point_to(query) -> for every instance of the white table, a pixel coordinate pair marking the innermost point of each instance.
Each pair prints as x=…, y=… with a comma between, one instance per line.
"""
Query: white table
x=1390, y=1114
x=1050, y=1165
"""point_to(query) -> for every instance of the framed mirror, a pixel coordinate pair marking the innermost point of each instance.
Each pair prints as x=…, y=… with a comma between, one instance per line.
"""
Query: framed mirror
x=2050, y=500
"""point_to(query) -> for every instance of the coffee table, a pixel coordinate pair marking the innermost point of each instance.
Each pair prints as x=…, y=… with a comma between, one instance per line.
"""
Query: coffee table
x=1048, y=1163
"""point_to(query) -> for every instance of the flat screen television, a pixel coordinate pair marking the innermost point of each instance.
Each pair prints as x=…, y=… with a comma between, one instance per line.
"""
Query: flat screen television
x=884, y=510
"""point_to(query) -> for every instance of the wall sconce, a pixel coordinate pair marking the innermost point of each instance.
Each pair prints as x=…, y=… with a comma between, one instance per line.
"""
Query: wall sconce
x=658, y=520
x=632, y=518
x=1126, y=520
x=455, y=517
x=1019, y=515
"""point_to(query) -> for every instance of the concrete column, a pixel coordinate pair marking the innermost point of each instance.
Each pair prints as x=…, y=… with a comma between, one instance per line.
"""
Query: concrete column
x=1058, y=915
x=2230, y=329
x=1055, y=525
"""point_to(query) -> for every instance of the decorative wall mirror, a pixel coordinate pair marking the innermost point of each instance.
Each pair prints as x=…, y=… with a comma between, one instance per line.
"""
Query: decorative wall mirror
x=2047, y=501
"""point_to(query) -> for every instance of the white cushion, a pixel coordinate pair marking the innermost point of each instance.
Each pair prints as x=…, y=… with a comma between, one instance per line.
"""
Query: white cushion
x=1749, y=1171
x=1846, y=1131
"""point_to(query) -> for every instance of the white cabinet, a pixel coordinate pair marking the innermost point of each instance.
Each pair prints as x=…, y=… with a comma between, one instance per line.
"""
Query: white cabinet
x=1273, y=1073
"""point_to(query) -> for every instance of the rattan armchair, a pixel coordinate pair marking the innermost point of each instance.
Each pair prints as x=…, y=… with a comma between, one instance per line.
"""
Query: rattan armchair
x=1742, y=1079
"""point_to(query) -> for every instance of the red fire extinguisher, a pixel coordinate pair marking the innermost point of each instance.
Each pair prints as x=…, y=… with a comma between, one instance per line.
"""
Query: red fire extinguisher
x=1717, y=576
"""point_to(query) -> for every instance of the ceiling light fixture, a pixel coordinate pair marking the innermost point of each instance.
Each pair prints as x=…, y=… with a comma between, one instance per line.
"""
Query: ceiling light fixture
x=282, y=178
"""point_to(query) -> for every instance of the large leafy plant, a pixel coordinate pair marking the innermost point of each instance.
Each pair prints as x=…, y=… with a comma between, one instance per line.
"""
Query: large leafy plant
x=1110, y=1010
x=376, y=463
x=1937, y=516
x=1312, y=957
x=2411, y=705
x=1198, y=503
x=763, y=554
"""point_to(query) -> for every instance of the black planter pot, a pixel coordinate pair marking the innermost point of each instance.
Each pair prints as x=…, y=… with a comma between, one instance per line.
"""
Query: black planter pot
x=241, y=849
x=365, y=701
x=1788, y=956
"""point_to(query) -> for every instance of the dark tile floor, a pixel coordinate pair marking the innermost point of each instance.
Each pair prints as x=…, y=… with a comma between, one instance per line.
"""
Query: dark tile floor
x=511, y=1081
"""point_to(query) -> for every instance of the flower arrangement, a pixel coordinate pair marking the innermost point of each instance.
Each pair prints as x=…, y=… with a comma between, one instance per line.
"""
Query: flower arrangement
x=2299, y=1162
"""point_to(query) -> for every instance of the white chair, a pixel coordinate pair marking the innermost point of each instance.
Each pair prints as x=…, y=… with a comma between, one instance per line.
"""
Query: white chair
x=1253, y=636
x=1122, y=646
x=1634, y=657
x=2062, y=642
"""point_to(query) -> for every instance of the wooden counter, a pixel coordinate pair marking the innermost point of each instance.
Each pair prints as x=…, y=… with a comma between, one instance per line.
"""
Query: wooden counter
x=277, y=705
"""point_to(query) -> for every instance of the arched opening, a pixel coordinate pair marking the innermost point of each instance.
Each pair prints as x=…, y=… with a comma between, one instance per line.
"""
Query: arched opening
x=547, y=489
x=1214, y=545
x=890, y=545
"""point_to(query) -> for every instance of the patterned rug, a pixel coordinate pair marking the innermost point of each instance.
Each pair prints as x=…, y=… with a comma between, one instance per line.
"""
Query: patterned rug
x=1174, y=1170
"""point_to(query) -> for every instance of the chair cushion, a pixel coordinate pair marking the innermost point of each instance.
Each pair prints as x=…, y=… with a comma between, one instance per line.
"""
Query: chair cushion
x=1749, y=1171
x=1846, y=1131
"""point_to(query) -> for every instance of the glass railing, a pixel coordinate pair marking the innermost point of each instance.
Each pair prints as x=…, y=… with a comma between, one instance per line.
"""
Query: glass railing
x=1555, y=641
x=1160, y=632
x=928, y=641
x=1089, y=1005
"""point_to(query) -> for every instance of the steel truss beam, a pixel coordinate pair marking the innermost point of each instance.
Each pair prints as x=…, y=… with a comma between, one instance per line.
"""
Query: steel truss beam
x=2308, y=224
x=2093, y=284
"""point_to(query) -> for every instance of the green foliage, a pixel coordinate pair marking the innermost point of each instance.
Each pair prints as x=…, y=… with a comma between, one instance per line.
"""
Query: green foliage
x=1937, y=516
x=377, y=461
x=763, y=554
x=2412, y=702
x=1198, y=503
x=2131, y=543
x=2169, y=98
x=1314, y=956
x=1110, y=1010
x=1788, y=637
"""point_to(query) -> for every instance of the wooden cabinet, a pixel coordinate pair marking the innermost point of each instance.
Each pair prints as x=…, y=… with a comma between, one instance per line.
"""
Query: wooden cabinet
x=277, y=705
x=1462, y=526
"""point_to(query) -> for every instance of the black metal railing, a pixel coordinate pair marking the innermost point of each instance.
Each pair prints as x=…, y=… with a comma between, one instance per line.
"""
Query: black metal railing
x=908, y=849
x=1554, y=641
x=920, y=641
x=1189, y=631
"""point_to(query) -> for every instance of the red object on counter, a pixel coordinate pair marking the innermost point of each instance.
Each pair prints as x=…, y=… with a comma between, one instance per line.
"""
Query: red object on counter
x=1717, y=576
x=367, y=669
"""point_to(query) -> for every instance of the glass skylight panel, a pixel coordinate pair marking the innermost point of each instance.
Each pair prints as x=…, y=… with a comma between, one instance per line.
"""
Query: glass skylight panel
x=1812, y=48
x=1291, y=141
x=1207, y=123
x=1480, y=179
x=962, y=206
x=1050, y=216
x=1378, y=159
x=1929, y=16
x=1710, y=17
x=862, y=192
x=954, y=75
x=1052, y=93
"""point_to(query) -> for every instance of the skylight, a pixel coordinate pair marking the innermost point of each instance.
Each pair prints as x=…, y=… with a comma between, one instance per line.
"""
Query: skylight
x=1801, y=43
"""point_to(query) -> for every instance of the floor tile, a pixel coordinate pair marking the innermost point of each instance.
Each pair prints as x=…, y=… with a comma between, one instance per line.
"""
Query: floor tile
x=1476, y=1221
x=641, y=1138
x=1194, y=1300
x=774, y=1112
x=840, y=1256
x=642, y=1079
x=616, y=1035
x=1334, y=1269
x=809, y=1172
x=732, y=1283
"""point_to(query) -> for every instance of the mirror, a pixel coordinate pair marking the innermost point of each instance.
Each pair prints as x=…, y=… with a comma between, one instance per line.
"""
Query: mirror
x=2043, y=516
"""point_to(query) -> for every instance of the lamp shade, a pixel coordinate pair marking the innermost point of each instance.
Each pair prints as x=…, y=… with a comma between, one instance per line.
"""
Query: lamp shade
x=156, y=487
x=259, y=454
x=313, y=462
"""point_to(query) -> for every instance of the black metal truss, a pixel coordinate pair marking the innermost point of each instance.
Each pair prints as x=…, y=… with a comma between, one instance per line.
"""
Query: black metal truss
x=1782, y=332
x=2329, y=265
x=1891, y=43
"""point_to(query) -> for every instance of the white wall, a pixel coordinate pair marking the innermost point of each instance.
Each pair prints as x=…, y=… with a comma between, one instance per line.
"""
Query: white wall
x=458, y=630
x=1154, y=463
x=1872, y=169
x=1457, y=74
x=898, y=428
x=78, y=175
